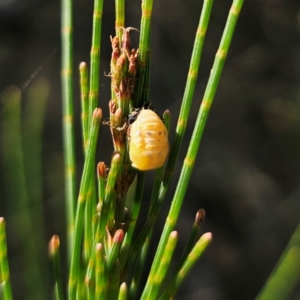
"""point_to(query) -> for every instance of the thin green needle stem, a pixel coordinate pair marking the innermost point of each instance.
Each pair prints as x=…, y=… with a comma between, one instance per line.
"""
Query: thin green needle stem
x=68, y=116
x=156, y=280
x=190, y=261
x=123, y=291
x=101, y=172
x=197, y=134
x=193, y=236
x=95, y=56
x=85, y=181
x=140, y=262
x=54, y=246
x=144, y=50
x=286, y=275
x=5, y=274
x=188, y=94
x=113, y=285
x=107, y=208
x=84, y=95
x=101, y=274
x=135, y=209
x=115, y=249
x=145, y=30
x=120, y=18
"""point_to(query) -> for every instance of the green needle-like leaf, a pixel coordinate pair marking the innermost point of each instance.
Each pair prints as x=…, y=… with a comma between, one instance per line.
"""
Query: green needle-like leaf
x=101, y=274
x=196, y=136
x=188, y=94
x=286, y=275
x=95, y=56
x=156, y=280
x=190, y=261
x=123, y=291
x=85, y=181
x=54, y=247
x=84, y=96
x=4, y=271
x=193, y=236
x=115, y=249
x=144, y=56
x=120, y=18
x=68, y=115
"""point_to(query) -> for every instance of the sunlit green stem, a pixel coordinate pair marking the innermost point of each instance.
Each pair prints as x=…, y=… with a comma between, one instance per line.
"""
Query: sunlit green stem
x=4, y=267
x=115, y=249
x=136, y=195
x=144, y=49
x=95, y=56
x=190, y=261
x=193, y=236
x=107, y=207
x=188, y=94
x=286, y=275
x=86, y=175
x=68, y=116
x=120, y=18
x=101, y=274
x=84, y=96
x=113, y=284
x=141, y=258
x=123, y=291
x=196, y=136
x=155, y=280
x=54, y=247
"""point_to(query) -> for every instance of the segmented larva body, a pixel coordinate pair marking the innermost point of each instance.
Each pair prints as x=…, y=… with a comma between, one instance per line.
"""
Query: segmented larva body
x=149, y=144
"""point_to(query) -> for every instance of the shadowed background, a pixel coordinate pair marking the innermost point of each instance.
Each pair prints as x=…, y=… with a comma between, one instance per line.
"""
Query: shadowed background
x=247, y=172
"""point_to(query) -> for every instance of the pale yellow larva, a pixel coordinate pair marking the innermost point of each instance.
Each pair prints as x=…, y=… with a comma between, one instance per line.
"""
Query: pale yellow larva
x=149, y=144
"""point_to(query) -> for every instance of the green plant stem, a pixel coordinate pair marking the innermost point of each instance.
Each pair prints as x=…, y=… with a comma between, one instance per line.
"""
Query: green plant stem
x=85, y=181
x=144, y=50
x=106, y=210
x=156, y=280
x=286, y=275
x=193, y=236
x=120, y=18
x=101, y=275
x=135, y=209
x=190, y=261
x=123, y=291
x=54, y=246
x=113, y=253
x=93, y=103
x=136, y=278
x=95, y=56
x=84, y=96
x=188, y=95
x=68, y=116
x=196, y=138
x=113, y=283
x=4, y=267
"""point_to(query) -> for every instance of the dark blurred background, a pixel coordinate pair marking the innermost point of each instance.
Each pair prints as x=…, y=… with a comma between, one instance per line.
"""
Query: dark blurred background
x=247, y=172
